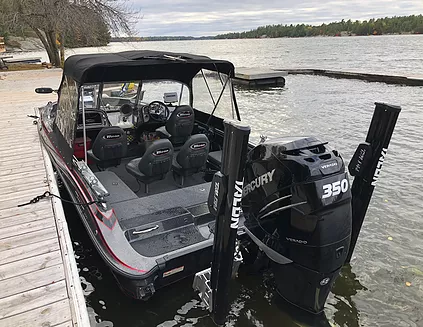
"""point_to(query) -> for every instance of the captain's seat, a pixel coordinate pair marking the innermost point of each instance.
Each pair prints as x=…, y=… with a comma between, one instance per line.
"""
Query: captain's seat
x=179, y=125
x=109, y=147
x=192, y=157
x=154, y=164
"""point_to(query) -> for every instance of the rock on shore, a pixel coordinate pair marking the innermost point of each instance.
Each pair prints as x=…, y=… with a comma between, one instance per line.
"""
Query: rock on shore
x=23, y=44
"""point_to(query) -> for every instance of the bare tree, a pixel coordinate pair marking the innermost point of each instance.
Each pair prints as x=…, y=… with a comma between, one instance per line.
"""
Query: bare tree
x=52, y=20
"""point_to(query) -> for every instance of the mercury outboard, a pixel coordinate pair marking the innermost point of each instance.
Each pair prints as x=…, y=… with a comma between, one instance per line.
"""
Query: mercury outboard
x=287, y=204
x=297, y=209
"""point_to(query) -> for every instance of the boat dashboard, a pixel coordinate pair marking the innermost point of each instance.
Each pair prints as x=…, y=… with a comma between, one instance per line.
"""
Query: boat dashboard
x=139, y=122
x=128, y=116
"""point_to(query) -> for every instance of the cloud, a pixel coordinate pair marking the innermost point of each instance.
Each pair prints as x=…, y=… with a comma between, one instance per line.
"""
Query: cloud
x=199, y=17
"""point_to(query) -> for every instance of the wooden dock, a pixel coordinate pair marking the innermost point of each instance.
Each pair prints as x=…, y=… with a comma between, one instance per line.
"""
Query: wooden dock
x=381, y=78
x=259, y=77
x=39, y=282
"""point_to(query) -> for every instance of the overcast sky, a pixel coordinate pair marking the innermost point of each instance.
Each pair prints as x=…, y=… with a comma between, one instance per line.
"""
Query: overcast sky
x=201, y=17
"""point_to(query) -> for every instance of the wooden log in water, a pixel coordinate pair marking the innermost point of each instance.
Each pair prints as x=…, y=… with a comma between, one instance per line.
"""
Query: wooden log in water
x=369, y=77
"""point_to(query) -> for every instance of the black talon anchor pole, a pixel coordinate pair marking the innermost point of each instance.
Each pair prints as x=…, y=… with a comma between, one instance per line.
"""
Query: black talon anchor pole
x=366, y=165
x=225, y=202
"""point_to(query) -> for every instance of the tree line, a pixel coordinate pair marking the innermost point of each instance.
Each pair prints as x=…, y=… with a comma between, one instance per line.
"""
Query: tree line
x=389, y=25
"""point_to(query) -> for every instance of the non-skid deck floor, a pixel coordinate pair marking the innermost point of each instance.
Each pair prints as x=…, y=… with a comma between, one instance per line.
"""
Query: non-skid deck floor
x=169, y=183
x=34, y=276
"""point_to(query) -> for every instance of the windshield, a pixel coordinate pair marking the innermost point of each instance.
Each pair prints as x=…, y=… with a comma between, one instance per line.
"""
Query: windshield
x=114, y=95
x=212, y=94
x=170, y=92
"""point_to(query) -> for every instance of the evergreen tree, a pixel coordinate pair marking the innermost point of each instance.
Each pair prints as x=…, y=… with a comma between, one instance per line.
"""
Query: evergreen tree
x=394, y=25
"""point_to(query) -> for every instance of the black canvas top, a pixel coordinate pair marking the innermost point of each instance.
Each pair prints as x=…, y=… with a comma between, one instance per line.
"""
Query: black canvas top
x=141, y=65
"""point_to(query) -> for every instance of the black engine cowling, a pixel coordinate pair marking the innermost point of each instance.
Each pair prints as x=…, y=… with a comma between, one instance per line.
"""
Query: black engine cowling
x=297, y=206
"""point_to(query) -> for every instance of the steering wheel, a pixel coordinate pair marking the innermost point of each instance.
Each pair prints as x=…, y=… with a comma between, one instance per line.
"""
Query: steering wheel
x=158, y=111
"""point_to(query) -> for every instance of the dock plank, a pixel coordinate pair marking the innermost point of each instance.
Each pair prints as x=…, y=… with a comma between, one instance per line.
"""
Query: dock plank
x=29, y=239
x=14, y=141
x=30, y=250
x=32, y=148
x=28, y=265
x=34, y=167
x=29, y=185
x=15, y=156
x=12, y=164
x=22, y=174
x=17, y=211
x=16, y=230
x=14, y=199
x=30, y=281
x=18, y=141
x=25, y=218
x=26, y=161
x=22, y=194
x=15, y=179
x=54, y=314
x=33, y=299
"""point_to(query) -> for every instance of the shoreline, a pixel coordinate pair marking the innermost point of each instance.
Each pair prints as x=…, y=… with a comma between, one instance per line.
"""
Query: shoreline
x=136, y=39
x=31, y=44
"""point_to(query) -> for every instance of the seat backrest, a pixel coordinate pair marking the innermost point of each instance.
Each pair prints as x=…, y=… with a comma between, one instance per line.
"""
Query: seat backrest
x=110, y=144
x=194, y=153
x=157, y=159
x=181, y=121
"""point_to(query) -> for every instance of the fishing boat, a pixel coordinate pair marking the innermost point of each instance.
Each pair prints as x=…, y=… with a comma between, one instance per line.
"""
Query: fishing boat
x=151, y=148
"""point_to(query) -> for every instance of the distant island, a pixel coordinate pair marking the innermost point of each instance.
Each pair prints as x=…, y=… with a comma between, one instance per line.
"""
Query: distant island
x=395, y=25
x=389, y=25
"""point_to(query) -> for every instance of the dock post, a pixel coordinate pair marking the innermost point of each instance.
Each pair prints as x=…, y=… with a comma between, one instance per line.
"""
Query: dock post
x=235, y=147
x=366, y=165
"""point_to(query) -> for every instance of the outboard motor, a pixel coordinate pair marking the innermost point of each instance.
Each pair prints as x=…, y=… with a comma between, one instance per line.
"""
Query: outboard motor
x=297, y=208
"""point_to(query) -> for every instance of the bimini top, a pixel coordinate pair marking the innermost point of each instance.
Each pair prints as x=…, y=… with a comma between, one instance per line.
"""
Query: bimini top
x=141, y=65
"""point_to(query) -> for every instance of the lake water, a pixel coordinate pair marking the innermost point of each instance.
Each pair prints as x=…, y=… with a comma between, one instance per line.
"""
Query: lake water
x=373, y=291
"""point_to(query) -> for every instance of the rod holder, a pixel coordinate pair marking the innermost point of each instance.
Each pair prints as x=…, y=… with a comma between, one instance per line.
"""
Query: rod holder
x=366, y=165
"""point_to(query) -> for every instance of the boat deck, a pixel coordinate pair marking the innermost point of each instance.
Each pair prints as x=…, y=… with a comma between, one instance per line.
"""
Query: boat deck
x=39, y=282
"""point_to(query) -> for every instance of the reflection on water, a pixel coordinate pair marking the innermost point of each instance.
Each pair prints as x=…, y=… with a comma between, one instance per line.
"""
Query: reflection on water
x=345, y=287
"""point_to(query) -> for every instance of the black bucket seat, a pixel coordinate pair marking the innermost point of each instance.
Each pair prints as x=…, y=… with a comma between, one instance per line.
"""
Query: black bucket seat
x=179, y=125
x=192, y=157
x=154, y=164
x=109, y=147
